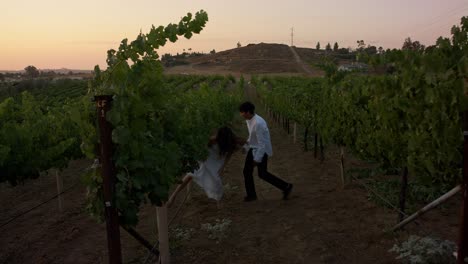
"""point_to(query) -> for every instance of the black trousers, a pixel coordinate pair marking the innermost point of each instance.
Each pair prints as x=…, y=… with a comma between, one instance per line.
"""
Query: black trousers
x=262, y=173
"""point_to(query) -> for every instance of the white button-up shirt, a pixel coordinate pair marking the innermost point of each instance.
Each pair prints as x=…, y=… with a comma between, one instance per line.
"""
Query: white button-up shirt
x=259, y=138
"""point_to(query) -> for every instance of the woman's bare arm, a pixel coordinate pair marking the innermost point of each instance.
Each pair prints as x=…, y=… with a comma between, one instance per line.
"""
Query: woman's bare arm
x=179, y=188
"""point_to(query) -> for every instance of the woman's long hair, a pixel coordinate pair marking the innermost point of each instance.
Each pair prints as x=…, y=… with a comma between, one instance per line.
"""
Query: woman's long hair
x=226, y=141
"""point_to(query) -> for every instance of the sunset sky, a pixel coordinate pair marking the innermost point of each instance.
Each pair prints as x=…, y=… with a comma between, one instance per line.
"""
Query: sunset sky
x=77, y=34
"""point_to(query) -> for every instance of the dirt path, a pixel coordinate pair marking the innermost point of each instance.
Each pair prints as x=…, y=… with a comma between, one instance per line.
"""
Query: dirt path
x=303, y=65
x=319, y=224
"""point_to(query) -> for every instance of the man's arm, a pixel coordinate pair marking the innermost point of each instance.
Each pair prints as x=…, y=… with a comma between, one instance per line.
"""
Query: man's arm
x=261, y=133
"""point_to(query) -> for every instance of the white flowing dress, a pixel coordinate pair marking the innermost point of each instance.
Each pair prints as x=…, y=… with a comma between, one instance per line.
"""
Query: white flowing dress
x=207, y=176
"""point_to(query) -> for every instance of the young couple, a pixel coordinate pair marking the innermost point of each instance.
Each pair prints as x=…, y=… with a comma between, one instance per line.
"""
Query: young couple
x=222, y=146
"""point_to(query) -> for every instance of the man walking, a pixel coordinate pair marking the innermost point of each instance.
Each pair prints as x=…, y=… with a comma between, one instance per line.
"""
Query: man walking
x=260, y=149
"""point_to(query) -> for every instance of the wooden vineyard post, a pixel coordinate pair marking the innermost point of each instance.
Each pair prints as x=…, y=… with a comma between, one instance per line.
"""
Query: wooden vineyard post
x=322, y=153
x=403, y=191
x=103, y=103
x=189, y=190
x=462, y=253
x=306, y=134
x=59, y=179
x=315, y=145
x=428, y=207
x=295, y=132
x=163, y=233
x=343, y=177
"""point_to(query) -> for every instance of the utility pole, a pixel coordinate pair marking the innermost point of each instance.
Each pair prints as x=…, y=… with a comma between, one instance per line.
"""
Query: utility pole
x=292, y=36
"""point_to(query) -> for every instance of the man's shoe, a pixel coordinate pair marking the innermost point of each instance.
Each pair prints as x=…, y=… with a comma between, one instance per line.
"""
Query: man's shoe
x=250, y=198
x=287, y=191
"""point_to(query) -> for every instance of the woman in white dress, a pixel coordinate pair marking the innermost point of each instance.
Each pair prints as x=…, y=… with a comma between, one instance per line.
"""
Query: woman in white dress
x=208, y=175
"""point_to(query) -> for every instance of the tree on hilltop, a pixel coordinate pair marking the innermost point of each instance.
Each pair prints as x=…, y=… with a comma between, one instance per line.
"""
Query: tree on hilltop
x=31, y=71
x=335, y=47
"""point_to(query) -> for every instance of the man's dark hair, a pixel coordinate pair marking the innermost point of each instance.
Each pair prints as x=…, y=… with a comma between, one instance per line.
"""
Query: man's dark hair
x=247, y=107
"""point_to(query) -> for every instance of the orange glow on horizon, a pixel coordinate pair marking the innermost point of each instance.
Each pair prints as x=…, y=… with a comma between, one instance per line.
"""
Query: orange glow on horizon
x=76, y=35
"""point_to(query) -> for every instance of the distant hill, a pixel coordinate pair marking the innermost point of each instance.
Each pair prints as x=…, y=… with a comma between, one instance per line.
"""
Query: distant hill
x=259, y=58
x=262, y=58
x=65, y=70
x=61, y=71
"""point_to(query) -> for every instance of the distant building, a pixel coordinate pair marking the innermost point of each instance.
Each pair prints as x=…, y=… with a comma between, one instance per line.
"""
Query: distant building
x=13, y=78
x=355, y=66
x=67, y=77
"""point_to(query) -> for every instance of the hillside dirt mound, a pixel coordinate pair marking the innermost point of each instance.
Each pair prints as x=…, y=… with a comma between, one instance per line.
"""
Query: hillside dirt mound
x=260, y=58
